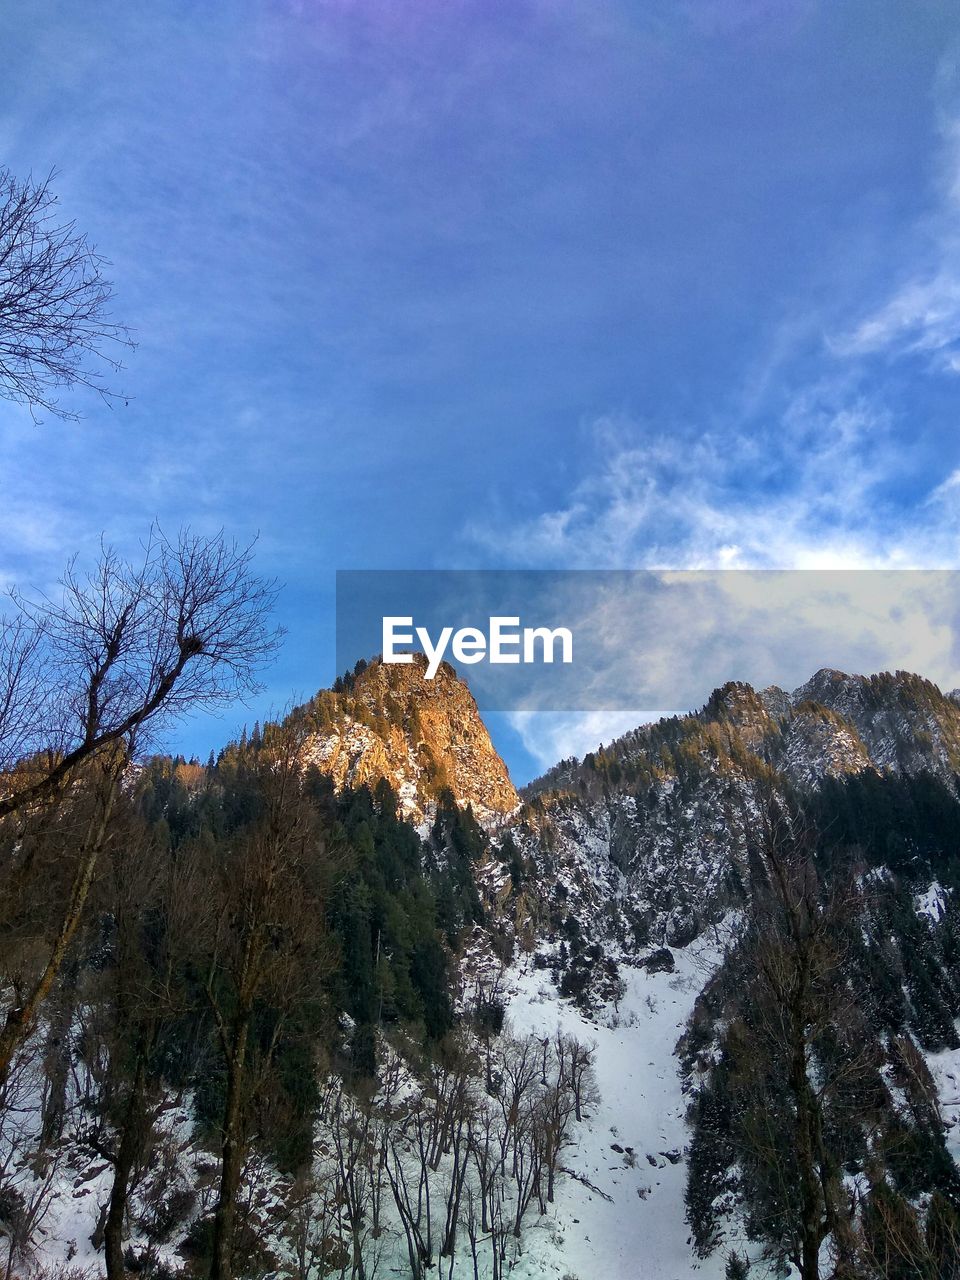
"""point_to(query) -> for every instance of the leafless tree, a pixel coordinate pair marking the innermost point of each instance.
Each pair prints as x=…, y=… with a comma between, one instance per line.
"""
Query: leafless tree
x=121, y=650
x=527, y=1163
x=450, y=1073
x=562, y=1099
x=518, y=1072
x=55, y=325
x=581, y=1077
x=87, y=674
x=357, y=1173
x=465, y=1164
x=130, y=1003
x=263, y=948
x=29, y=1171
x=312, y=1231
x=452, y=1109
x=88, y=816
x=408, y=1171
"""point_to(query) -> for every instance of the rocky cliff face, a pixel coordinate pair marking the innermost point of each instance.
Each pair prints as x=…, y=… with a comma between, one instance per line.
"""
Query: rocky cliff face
x=646, y=842
x=390, y=722
x=904, y=722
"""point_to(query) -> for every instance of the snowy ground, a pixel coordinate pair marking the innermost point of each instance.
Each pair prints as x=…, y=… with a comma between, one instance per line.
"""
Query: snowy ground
x=80, y=1188
x=639, y=1232
x=619, y=1211
x=945, y=1068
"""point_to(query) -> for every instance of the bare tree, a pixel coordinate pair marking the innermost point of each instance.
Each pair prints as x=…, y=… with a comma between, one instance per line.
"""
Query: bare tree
x=122, y=648
x=312, y=1231
x=562, y=1101
x=266, y=951
x=55, y=326
x=581, y=1076
x=96, y=801
x=135, y=995
x=356, y=1172
x=29, y=1171
x=408, y=1171
x=119, y=652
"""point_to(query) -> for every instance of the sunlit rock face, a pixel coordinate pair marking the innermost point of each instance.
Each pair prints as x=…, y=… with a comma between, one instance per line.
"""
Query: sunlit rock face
x=422, y=736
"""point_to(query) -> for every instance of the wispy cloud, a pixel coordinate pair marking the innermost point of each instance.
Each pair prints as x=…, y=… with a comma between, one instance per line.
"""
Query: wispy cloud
x=810, y=493
x=920, y=315
x=815, y=468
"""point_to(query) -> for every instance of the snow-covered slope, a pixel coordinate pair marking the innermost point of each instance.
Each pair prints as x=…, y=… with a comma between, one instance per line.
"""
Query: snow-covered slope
x=620, y=1212
x=646, y=840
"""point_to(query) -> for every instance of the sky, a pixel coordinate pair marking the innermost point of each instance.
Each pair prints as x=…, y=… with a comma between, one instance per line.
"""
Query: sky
x=488, y=285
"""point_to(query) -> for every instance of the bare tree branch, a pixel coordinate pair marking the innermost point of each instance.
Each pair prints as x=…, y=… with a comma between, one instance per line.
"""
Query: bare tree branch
x=123, y=649
x=55, y=328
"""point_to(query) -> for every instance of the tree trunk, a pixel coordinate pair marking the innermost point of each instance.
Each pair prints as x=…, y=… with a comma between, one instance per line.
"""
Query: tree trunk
x=57, y=1057
x=20, y=1021
x=231, y=1161
x=131, y=1141
x=811, y=1208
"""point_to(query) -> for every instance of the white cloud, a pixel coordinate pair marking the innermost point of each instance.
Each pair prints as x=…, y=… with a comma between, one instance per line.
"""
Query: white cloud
x=921, y=316
x=666, y=640
x=809, y=493
x=551, y=736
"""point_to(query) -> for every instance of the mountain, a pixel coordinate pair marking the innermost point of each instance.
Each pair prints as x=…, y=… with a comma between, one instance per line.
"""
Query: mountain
x=646, y=840
x=648, y=860
x=388, y=722
x=518, y=1035
x=904, y=721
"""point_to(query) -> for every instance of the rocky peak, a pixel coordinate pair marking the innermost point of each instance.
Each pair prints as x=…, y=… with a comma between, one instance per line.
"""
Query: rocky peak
x=904, y=721
x=648, y=839
x=777, y=701
x=739, y=706
x=827, y=686
x=818, y=743
x=422, y=736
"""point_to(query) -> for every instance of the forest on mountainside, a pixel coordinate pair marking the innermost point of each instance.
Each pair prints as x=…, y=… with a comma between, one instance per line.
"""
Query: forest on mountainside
x=284, y=957
x=264, y=1013
x=815, y=1118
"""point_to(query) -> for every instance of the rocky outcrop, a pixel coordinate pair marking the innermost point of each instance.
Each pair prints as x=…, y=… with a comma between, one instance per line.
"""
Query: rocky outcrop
x=647, y=841
x=422, y=736
x=905, y=722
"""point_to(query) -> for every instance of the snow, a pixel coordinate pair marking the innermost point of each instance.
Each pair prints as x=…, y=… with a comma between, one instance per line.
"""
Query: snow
x=79, y=1188
x=640, y=1230
x=933, y=902
x=945, y=1069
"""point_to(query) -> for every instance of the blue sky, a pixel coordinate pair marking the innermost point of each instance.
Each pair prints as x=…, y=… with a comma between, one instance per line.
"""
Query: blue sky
x=569, y=284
